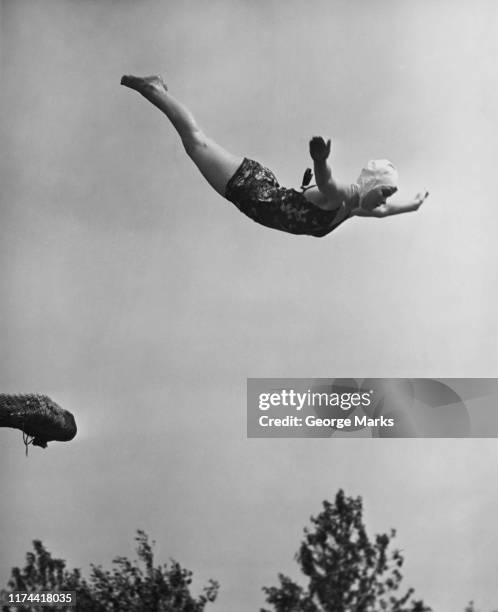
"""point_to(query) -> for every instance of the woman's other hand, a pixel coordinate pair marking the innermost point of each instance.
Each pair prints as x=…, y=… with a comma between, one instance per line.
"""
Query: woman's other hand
x=319, y=150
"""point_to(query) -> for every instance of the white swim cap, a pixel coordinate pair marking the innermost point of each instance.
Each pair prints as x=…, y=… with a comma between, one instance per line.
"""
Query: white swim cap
x=377, y=173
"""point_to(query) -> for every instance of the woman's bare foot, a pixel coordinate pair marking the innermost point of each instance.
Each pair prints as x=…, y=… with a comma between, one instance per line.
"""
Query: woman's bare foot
x=150, y=87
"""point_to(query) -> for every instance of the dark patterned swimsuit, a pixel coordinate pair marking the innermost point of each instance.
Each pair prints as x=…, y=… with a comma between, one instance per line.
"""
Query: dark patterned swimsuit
x=256, y=192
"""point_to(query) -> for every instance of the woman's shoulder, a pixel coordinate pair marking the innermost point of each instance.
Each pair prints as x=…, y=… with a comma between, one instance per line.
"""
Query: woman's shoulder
x=347, y=195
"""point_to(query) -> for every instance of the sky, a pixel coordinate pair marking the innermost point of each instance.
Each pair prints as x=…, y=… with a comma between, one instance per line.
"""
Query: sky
x=141, y=301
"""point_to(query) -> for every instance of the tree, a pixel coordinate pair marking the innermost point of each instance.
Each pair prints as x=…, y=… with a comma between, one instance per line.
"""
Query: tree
x=344, y=569
x=128, y=587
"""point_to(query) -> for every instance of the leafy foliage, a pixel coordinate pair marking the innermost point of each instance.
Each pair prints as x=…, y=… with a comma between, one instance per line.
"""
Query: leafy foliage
x=128, y=587
x=345, y=570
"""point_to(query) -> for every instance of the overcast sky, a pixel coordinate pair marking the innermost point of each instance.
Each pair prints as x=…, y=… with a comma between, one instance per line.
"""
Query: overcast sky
x=140, y=300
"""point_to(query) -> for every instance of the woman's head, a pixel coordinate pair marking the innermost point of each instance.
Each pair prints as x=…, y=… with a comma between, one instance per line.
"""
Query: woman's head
x=377, y=181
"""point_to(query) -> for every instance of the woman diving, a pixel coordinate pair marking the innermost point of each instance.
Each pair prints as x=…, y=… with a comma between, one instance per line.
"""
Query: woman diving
x=314, y=211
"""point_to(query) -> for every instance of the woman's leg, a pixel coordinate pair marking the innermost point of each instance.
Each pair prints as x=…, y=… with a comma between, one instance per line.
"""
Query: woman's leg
x=215, y=163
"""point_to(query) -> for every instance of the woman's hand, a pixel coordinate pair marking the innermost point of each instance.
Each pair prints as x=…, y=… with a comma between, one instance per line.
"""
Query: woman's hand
x=319, y=150
x=419, y=199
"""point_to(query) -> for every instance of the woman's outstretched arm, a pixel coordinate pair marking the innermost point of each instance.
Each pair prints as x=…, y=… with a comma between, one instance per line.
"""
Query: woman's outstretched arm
x=334, y=191
x=393, y=208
